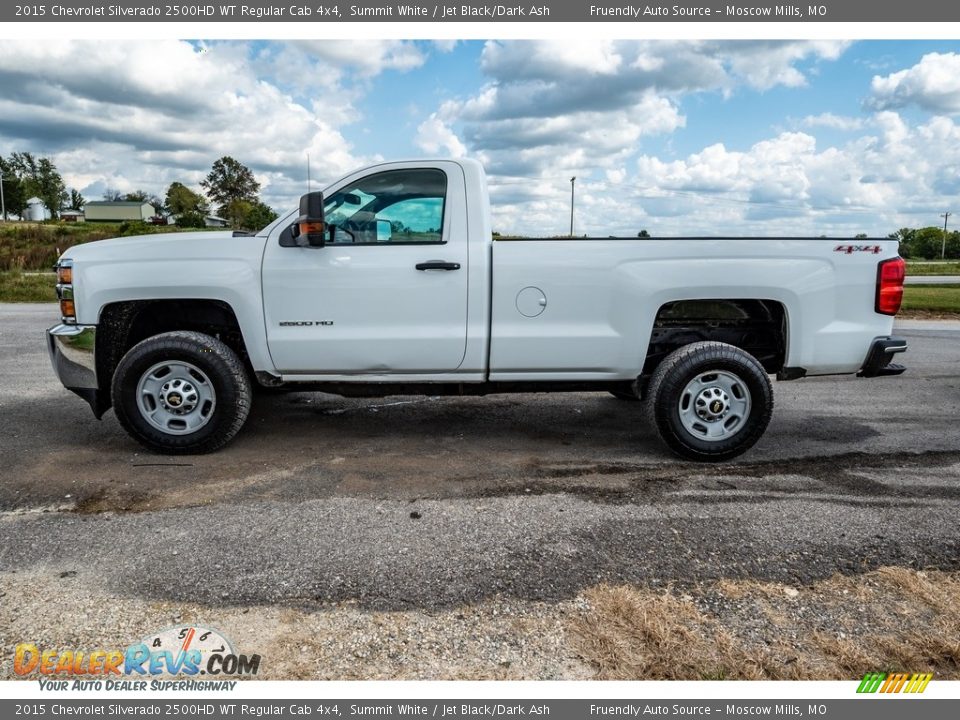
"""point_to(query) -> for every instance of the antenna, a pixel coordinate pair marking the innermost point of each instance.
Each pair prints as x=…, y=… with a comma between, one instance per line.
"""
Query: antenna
x=572, y=181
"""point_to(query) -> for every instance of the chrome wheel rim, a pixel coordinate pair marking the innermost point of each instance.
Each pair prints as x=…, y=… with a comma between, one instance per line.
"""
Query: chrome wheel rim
x=715, y=405
x=176, y=397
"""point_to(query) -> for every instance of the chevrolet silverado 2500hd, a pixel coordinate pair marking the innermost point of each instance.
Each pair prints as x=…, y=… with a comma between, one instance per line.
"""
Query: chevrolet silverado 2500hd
x=389, y=282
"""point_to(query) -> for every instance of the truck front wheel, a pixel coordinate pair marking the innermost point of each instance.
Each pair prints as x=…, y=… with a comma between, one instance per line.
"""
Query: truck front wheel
x=181, y=392
x=710, y=401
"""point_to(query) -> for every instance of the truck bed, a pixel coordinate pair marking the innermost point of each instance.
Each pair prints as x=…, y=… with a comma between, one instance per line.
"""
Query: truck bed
x=594, y=300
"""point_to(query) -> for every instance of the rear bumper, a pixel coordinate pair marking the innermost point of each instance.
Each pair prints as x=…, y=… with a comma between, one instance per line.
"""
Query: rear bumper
x=878, y=362
x=72, y=355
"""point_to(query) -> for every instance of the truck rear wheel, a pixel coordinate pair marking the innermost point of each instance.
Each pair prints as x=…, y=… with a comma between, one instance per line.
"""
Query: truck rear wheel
x=710, y=401
x=181, y=392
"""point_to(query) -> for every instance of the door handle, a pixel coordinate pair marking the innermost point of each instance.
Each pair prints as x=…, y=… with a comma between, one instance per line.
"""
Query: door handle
x=437, y=265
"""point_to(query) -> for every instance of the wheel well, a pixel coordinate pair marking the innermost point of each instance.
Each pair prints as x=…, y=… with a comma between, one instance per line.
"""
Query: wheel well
x=756, y=326
x=122, y=325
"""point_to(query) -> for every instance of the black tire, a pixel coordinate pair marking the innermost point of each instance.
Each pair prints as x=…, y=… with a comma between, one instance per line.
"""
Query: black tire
x=223, y=378
x=697, y=363
x=625, y=396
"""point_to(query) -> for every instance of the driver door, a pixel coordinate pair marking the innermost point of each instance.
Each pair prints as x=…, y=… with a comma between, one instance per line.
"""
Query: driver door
x=388, y=293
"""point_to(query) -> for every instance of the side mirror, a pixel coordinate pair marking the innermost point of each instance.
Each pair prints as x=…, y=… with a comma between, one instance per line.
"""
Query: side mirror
x=309, y=229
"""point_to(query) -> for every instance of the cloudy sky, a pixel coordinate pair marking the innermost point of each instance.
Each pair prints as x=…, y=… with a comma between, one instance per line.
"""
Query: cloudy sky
x=709, y=137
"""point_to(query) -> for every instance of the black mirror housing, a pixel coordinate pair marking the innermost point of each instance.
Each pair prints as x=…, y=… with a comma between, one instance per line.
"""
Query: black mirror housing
x=309, y=229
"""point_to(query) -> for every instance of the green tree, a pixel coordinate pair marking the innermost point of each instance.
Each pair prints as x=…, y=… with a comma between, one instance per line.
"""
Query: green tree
x=77, y=201
x=112, y=195
x=40, y=179
x=51, y=188
x=25, y=166
x=643, y=234
x=905, y=236
x=14, y=194
x=259, y=216
x=926, y=243
x=235, y=211
x=180, y=199
x=190, y=219
x=233, y=187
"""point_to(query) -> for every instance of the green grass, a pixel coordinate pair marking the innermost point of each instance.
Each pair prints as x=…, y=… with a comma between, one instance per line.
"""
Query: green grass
x=36, y=246
x=937, y=299
x=21, y=287
x=932, y=268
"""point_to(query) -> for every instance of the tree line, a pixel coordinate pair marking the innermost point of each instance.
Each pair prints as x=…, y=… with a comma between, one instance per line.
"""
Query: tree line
x=230, y=186
x=928, y=243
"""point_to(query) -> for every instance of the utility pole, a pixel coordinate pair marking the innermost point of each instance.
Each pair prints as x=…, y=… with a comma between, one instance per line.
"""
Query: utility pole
x=572, y=181
x=943, y=245
x=3, y=202
x=308, y=172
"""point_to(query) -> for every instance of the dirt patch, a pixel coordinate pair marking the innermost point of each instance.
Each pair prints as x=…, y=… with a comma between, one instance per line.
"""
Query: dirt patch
x=891, y=619
x=926, y=315
x=622, y=483
x=500, y=639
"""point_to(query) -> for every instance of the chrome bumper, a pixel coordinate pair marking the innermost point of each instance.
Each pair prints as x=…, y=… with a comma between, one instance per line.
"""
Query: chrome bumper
x=72, y=355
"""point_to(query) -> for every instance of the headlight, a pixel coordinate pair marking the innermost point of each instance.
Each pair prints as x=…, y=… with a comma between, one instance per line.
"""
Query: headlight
x=68, y=311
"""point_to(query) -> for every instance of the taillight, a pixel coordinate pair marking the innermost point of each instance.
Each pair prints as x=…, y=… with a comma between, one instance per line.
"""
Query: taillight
x=890, y=274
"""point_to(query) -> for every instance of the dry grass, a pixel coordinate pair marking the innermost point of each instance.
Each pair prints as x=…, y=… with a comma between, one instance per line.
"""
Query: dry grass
x=892, y=619
x=632, y=634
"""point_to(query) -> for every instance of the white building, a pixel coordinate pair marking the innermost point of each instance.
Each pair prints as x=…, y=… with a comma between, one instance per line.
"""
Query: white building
x=107, y=211
x=36, y=210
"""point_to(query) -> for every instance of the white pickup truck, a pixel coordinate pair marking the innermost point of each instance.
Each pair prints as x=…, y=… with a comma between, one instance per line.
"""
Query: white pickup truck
x=389, y=282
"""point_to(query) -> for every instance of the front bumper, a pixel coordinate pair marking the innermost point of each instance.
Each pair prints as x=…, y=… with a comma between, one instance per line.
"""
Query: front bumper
x=72, y=354
x=881, y=353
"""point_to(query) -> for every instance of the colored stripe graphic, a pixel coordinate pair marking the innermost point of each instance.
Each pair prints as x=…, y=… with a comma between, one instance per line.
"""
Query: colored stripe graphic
x=913, y=683
x=871, y=682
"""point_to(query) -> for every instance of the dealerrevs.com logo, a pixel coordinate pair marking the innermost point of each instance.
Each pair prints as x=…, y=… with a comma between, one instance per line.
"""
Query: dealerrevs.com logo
x=178, y=651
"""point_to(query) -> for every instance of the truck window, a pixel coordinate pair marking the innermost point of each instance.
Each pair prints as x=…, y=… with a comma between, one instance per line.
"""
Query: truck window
x=398, y=206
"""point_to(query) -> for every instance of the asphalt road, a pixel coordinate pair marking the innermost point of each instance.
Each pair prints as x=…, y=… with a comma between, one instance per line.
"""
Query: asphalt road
x=425, y=503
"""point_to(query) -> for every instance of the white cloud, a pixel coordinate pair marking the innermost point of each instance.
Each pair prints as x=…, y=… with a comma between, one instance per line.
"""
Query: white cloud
x=369, y=57
x=932, y=84
x=764, y=64
x=556, y=106
x=881, y=179
x=836, y=122
x=141, y=114
x=787, y=184
x=551, y=58
x=435, y=138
